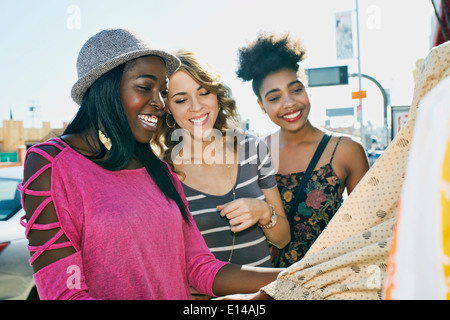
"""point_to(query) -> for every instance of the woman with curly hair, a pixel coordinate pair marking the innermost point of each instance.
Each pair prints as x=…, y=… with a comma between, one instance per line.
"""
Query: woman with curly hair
x=272, y=64
x=227, y=176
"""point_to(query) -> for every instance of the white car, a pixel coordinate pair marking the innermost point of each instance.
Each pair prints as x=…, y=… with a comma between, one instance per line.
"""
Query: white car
x=16, y=274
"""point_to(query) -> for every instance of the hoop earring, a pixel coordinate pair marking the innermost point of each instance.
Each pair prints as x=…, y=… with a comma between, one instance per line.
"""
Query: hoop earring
x=104, y=140
x=167, y=122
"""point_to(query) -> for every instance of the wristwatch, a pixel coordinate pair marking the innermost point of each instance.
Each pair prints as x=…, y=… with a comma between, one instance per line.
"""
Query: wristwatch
x=273, y=220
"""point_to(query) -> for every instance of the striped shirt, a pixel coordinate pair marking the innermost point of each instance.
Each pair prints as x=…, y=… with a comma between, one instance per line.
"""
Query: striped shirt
x=255, y=173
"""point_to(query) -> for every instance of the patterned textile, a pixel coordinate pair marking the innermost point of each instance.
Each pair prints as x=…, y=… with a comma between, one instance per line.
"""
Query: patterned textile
x=349, y=259
x=324, y=197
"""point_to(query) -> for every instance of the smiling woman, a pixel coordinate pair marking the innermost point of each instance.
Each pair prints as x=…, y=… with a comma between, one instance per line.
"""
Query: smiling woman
x=80, y=203
x=143, y=90
x=315, y=166
x=111, y=221
x=228, y=179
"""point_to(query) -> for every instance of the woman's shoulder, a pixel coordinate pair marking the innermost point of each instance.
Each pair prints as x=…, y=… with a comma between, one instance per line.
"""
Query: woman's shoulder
x=347, y=141
x=55, y=152
x=44, y=152
x=348, y=150
x=39, y=158
x=52, y=146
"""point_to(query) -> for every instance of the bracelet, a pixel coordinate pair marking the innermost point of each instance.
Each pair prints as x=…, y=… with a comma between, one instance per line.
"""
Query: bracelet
x=273, y=220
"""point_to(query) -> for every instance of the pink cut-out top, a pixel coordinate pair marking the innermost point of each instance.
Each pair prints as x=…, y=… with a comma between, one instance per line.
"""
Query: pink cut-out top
x=130, y=240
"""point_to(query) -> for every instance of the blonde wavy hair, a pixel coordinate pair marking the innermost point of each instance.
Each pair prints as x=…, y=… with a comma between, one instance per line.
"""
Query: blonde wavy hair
x=227, y=117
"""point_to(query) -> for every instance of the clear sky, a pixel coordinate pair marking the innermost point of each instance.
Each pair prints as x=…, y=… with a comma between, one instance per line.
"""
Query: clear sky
x=40, y=41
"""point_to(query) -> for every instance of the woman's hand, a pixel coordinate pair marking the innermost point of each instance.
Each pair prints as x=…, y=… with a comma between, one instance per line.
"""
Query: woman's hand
x=260, y=295
x=245, y=212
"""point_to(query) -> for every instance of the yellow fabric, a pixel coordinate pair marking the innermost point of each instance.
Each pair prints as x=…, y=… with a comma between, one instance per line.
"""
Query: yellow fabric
x=445, y=202
x=418, y=260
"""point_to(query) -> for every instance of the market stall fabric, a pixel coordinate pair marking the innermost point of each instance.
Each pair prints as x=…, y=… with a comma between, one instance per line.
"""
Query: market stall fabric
x=349, y=259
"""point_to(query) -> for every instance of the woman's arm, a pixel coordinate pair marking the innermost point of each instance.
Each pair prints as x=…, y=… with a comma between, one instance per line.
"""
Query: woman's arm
x=36, y=237
x=280, y=234
x=354, y=159
x=57, y=265
x=232, y=278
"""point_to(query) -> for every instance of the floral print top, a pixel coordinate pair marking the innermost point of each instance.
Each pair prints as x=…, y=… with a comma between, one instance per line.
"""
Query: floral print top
x=324, y=197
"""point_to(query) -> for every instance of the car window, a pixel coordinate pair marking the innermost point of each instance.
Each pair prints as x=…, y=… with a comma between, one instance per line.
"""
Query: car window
x=9, y=198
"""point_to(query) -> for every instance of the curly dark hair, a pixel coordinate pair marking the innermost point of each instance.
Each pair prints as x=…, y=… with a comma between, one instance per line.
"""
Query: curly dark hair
x=270, y=52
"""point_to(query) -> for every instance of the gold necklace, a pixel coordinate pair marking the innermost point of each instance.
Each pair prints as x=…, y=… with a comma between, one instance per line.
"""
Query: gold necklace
x=234, y=198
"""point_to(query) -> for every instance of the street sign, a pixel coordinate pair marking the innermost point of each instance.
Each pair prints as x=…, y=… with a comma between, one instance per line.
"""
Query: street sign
x=399, y=117
x=359, y=113
x=328, y=76
x=340, y=112
x=359, y=94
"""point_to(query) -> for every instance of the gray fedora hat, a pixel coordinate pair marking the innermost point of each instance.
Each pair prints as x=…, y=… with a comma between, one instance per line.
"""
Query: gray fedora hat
x=110, y=48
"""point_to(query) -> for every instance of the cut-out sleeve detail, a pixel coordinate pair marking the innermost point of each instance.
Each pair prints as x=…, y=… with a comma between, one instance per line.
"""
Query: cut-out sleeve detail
x=89, y=231
x=41, y=213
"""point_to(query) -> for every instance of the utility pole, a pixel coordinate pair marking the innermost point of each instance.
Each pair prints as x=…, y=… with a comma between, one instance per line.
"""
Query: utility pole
x=362, y=131
x=33, y=109
x=385, y=103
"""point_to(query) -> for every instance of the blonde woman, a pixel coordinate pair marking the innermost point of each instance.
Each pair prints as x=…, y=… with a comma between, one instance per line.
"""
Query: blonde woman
x=105, y=217
x=227, y=176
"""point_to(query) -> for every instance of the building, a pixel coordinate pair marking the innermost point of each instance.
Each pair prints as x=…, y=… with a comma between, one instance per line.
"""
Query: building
x=15, y=139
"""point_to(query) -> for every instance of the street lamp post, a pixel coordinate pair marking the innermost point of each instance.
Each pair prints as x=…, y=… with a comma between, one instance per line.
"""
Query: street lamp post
x=385, y=101
x=359, y=74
